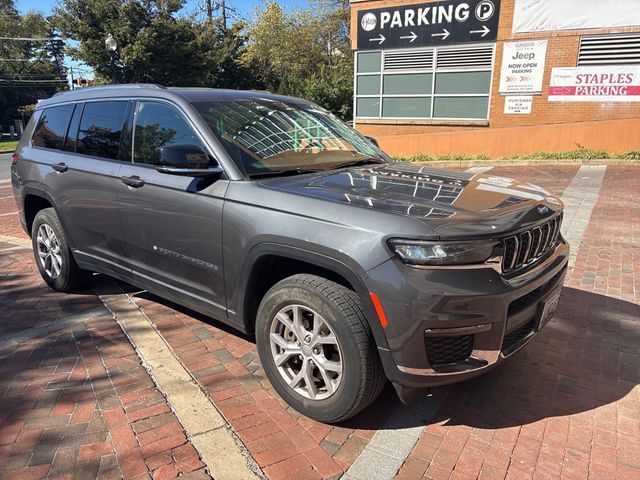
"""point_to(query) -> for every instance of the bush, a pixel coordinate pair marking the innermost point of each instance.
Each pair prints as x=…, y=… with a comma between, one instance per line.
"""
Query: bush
x=578, y=154
x=424, y=158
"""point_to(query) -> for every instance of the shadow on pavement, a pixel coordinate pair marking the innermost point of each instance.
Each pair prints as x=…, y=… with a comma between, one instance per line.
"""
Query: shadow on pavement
x=586, y=358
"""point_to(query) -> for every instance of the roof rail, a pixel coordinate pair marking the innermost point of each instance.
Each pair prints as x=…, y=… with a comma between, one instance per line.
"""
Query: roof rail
x=117, y=86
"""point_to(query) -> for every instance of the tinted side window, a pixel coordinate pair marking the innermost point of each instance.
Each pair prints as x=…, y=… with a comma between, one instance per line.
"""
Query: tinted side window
x=101, y=129
x=159, y=125
x=52, y=127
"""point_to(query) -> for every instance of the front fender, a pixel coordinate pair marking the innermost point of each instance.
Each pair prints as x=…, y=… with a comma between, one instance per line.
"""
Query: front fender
x=336, y=262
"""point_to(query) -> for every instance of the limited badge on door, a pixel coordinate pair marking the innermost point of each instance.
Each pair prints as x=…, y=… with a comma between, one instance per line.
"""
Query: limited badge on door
x=548, y=310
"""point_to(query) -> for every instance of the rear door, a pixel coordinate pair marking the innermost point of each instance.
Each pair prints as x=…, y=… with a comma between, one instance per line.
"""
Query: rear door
x=83, y=179
x=172, y=224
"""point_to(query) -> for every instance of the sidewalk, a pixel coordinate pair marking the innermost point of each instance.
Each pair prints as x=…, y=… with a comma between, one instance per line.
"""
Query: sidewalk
x=79, y=403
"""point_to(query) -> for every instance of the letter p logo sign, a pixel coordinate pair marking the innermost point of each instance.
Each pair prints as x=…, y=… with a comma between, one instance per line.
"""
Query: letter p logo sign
x=485, y=10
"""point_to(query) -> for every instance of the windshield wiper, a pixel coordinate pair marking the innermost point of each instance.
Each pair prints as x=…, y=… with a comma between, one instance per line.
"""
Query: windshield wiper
x=357, y=163
x=281, y=173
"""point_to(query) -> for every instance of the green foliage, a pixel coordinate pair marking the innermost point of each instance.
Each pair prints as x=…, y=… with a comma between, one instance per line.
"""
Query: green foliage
x=579, y=154
x=424, y=158
x=154, y=45
x=304, y=53
x=25, y=62
x=9, y=146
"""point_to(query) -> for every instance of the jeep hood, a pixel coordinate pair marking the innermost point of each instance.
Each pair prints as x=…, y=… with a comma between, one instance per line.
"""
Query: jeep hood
x=453, y=204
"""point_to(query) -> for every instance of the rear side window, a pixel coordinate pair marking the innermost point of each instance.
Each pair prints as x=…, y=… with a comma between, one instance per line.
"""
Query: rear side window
x=52, y=127
x=101, y=129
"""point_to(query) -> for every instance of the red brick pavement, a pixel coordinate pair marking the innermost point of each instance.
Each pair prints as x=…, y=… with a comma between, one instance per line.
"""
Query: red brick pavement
x=552, y=178
x=567, y=406
x=9, y=222
x=78, y=403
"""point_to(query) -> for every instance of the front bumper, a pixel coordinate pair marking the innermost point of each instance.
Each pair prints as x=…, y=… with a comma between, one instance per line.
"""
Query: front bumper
x=448, y=325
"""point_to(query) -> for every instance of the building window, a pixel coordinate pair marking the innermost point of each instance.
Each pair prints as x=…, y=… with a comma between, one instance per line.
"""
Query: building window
x=622, y=49
x=448, y=83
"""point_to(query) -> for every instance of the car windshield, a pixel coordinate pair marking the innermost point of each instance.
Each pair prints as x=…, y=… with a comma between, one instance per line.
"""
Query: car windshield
x=266, y=136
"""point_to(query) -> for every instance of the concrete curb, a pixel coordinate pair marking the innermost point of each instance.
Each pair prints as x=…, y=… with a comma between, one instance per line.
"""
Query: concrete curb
x=221, y=451
x=390, y=446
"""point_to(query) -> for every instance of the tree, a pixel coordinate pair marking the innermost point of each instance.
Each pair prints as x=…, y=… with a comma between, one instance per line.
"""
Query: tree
x=305, y=53
x=29, y=70
x=154, y=45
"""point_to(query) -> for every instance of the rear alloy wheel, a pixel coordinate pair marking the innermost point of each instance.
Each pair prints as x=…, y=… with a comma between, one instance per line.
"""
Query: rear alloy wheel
x=53, y=256
x=49, y=251
x=317, y=349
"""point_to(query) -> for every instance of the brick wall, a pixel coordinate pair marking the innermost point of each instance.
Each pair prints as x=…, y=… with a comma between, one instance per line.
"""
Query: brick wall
x=563, y=126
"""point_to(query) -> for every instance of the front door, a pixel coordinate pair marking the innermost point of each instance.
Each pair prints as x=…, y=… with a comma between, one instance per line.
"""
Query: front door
x=172, y=225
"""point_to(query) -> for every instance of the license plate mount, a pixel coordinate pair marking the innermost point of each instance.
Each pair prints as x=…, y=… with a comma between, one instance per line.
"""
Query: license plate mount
x=548, y=308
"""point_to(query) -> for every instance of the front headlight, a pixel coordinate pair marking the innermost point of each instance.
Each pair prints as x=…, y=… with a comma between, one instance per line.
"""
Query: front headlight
x=415, y=252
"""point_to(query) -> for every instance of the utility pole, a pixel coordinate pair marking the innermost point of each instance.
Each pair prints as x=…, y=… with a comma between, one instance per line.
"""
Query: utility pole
x=209, y=10
x=223, y=7
x=72, y=83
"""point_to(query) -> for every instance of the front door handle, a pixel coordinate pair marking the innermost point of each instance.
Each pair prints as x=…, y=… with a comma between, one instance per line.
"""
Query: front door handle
x=134, y=182
x=60, y=167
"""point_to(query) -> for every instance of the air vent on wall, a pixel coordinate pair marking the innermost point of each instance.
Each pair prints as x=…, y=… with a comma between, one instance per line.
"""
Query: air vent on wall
x=609, y=50
x=408, y=60
x=465, y=57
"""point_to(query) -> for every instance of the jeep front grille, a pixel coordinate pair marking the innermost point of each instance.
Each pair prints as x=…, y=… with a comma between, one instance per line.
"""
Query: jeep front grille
x=527, y=247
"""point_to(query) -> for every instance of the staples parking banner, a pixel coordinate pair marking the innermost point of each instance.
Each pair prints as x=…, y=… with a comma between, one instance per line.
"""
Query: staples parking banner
x=595, y=84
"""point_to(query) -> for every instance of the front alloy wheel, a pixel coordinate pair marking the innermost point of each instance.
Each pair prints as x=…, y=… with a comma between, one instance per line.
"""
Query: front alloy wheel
x=317, y=349
x=306, y=352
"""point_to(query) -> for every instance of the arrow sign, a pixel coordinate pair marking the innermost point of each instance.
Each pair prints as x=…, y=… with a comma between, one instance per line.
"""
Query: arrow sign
x=485, y=31
x=445, y=34
x=413, y=36
x=427, y=23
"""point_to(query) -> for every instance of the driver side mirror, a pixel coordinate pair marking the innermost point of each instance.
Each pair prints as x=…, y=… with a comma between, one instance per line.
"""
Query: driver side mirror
x=185, y=160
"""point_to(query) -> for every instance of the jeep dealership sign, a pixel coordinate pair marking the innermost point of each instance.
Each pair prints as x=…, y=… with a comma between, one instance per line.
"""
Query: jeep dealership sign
x=438, y=23
x=595, y=84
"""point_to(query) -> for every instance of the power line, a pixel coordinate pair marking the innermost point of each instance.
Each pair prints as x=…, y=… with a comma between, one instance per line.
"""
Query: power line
x=47, y=75
x=37, y=39
x=2, y=80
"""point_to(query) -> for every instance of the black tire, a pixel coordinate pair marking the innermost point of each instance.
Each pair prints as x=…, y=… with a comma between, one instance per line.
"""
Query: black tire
x=362, y=375
x=71, y=277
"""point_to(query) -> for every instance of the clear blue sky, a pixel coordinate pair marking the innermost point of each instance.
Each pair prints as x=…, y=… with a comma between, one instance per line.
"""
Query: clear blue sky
x=244, y=7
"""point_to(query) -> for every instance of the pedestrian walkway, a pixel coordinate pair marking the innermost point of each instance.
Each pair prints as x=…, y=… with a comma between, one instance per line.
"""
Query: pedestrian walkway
x=82, y=399
x=76, y=400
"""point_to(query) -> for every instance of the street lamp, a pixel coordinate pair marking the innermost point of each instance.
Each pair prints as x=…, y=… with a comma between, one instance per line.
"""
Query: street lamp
x=111, y=45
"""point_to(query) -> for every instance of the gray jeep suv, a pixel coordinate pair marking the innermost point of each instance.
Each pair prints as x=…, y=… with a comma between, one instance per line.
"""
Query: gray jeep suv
x=271, y=215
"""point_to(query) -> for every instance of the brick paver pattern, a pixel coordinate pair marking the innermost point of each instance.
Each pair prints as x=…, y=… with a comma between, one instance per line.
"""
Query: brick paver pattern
x=77, y=403
x=566, y=406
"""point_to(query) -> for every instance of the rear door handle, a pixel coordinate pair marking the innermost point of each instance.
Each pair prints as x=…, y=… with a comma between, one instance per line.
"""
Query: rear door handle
x=60, y=167
x=134, y=182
